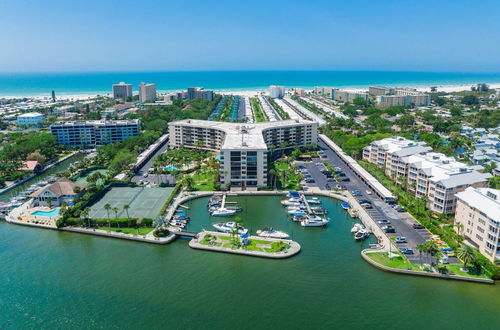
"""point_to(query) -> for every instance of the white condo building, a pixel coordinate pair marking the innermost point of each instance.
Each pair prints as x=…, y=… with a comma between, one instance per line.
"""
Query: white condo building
x=147, y=92
x=404, y=97
x=478, y=211
x=243, y=148
x=30, y=119
x=122, y=90
x=427, y=174
x=276, y=92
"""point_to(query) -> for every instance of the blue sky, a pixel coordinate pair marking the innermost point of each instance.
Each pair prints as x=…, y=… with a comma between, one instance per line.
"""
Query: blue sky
x=91, y=35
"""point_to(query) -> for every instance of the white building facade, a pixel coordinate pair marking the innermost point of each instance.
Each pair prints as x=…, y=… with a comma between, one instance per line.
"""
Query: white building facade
x=276, y=92
x=243, y=148
x=147, y=92
x=122, y=90
x=30, y=119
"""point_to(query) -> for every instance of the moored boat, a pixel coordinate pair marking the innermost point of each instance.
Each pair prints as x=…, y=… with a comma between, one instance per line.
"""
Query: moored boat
x=314, y=221
x=345, y=205
x=272, y=233
x=228, y=227
x=222, y=212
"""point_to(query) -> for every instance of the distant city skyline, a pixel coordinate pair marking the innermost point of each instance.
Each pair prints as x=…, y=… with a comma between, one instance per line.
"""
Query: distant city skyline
x=61, y=36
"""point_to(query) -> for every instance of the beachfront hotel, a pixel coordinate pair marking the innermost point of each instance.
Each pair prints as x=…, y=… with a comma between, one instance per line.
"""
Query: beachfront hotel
x=122, y=90
x=478, y=212
x=244, y=149
x=147, y=92
x=94, y=133
x=425, y=173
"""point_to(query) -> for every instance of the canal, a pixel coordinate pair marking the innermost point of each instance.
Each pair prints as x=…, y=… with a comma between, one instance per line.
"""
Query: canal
x=63, y=280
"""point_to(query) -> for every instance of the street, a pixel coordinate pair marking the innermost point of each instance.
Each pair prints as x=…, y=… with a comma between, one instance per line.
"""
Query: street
x=153, y=179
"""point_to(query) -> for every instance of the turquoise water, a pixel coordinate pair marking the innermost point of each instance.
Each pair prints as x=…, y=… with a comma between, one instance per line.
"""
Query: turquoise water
x=171, y=168
x=19, y=84
x=46, y=214
x=62, y=280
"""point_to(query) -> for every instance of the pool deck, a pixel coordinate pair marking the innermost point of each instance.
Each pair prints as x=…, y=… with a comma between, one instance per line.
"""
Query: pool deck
x=290, y=252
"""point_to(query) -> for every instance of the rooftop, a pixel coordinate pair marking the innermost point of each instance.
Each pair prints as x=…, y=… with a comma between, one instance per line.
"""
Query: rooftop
x=243, y=135
x=97, y=122
x=30, y=114
x=62, y=187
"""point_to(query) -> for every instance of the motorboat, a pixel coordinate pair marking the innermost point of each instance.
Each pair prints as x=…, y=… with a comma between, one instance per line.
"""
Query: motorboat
x=296, y=211
x=361, y=234
x=345, y=205
x=223, y=212
x=318, y=210
x=181, y=218
x=294, y=194
x=228, y=227
x=272, y=233
x=357, y=227
x=299, y=218
x=314, y=221
x=291, y=201
x=314, y=200
x=234, y=208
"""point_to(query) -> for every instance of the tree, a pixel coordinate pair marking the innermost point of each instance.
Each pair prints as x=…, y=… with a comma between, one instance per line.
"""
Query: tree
x=470, y=100
x=107, y=207
x=467, y=254
x=77, y=190
x=421, y=248
x=50, y=200
x=37, y=156
x=406, y=121
x=126, y=207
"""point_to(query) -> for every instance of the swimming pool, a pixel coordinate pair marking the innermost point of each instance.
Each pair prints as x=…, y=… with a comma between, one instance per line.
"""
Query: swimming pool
x=46, y=214
x=171, y=168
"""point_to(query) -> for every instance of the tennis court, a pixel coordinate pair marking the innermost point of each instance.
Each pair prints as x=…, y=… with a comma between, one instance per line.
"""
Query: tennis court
x=144, y=202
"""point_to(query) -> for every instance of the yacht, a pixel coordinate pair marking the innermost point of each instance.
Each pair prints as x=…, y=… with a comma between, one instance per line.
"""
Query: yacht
x=314, y=200
x=228, y=227
x=222, y=212
x=314, y=221
x=357, y=227
x=272, y=233
x=295, y=211
x=290, y=201
x=361, y=234
x=318, y=210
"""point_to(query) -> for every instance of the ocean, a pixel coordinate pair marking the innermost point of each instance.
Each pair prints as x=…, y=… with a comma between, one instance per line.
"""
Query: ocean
x=40, y=84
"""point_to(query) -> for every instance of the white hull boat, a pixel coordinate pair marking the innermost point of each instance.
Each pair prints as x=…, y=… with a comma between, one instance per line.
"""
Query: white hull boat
x=272, y=233
x=314, y=222
x=314, y=200
x=223, y=212
x=357, y=227
x=228, y=227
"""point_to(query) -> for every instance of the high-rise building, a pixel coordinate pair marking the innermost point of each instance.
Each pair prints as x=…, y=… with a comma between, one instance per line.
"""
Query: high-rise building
x=147, y=92
x=243, y=148
x=122, y=90
x=53, y=96
x=199, y=93
x=276, y=92
x=380, y=90
x=94, y=133
x=478, y=212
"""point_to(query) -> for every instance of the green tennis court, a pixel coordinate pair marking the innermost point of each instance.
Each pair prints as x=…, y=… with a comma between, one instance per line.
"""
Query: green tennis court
x=144, y=202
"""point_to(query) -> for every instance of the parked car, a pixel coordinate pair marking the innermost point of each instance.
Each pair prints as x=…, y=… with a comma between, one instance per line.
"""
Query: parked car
x=310, y=180
x=356, y=193
x=399, y=208
x=384, y=222
x=344, y=187
x=145, y=175
x=389, y=229
x=330, y=180
x=401, y=239
x=327, y=186
x=365, y=201
x=406, y=251
x=345, y=179
x=418, y=226
x=366, y=205
x=302, y=166
x=368, y=192
x=341, y=174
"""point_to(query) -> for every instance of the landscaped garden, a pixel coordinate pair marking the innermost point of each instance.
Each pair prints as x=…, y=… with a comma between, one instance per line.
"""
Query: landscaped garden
x=235, y=242
x=286, y=174
x=258, y=112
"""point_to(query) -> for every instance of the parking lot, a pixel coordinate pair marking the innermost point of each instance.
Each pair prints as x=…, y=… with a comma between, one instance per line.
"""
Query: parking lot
x=401, y=221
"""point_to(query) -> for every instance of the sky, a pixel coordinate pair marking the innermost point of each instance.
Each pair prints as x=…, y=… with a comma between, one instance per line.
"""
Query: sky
x=149, y=35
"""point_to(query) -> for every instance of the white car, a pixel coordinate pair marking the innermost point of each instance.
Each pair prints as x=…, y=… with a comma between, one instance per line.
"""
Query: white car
x=145, y=175
x=368, y=192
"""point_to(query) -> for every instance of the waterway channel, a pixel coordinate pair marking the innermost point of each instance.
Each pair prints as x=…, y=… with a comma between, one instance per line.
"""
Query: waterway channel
x=56, y=279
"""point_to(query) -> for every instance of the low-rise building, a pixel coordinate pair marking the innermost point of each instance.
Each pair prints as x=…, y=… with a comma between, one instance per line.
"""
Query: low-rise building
x=61, y=191
x=94, y=133
x=478, y=213
x=34, y=119
x=244, y=149
x=427, y=174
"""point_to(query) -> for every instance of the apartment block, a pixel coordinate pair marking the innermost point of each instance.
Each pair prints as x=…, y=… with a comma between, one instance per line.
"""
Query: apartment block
x=339, y=95
x=30, y=119
x=199, y=93
x=122, y=90
x=244, y=149
x=276, y=92
x=381, y=90
x=427, y=174
x=478, y=211
x=94, y=133
x=404, y=97
x=147, y=92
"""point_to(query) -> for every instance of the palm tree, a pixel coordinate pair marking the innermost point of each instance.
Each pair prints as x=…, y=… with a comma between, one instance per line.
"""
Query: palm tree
x=107, y=207
x=125, y=208
x=115, y=209
x=50, y=200
x=421, y=248
x=467, y=254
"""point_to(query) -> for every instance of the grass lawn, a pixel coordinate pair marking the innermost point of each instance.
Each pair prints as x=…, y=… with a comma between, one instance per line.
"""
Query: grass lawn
x=292, y=178
x=257, y=110
x=454, y=269
x=142, y=230
x=396, y=262
x=204, y=180
x=273, y=246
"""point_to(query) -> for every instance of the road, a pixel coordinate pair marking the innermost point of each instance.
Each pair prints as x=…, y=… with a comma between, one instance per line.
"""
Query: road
x=153, y=178
x=401, y=221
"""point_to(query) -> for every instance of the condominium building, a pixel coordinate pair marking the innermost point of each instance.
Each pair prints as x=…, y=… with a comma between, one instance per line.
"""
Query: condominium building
x=381, y=90
x=30, y=119
x=404, y=97
x=122, y=90
x=478, y=213
x=199, y=93
x=244, y=149
x=430, y=174
x=299, y=91
x=94, y=133
x=276, y=92
x=147, y=92
x=339, y=95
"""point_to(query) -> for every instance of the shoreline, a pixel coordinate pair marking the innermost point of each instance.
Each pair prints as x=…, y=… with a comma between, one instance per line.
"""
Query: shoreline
x=251, y=91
